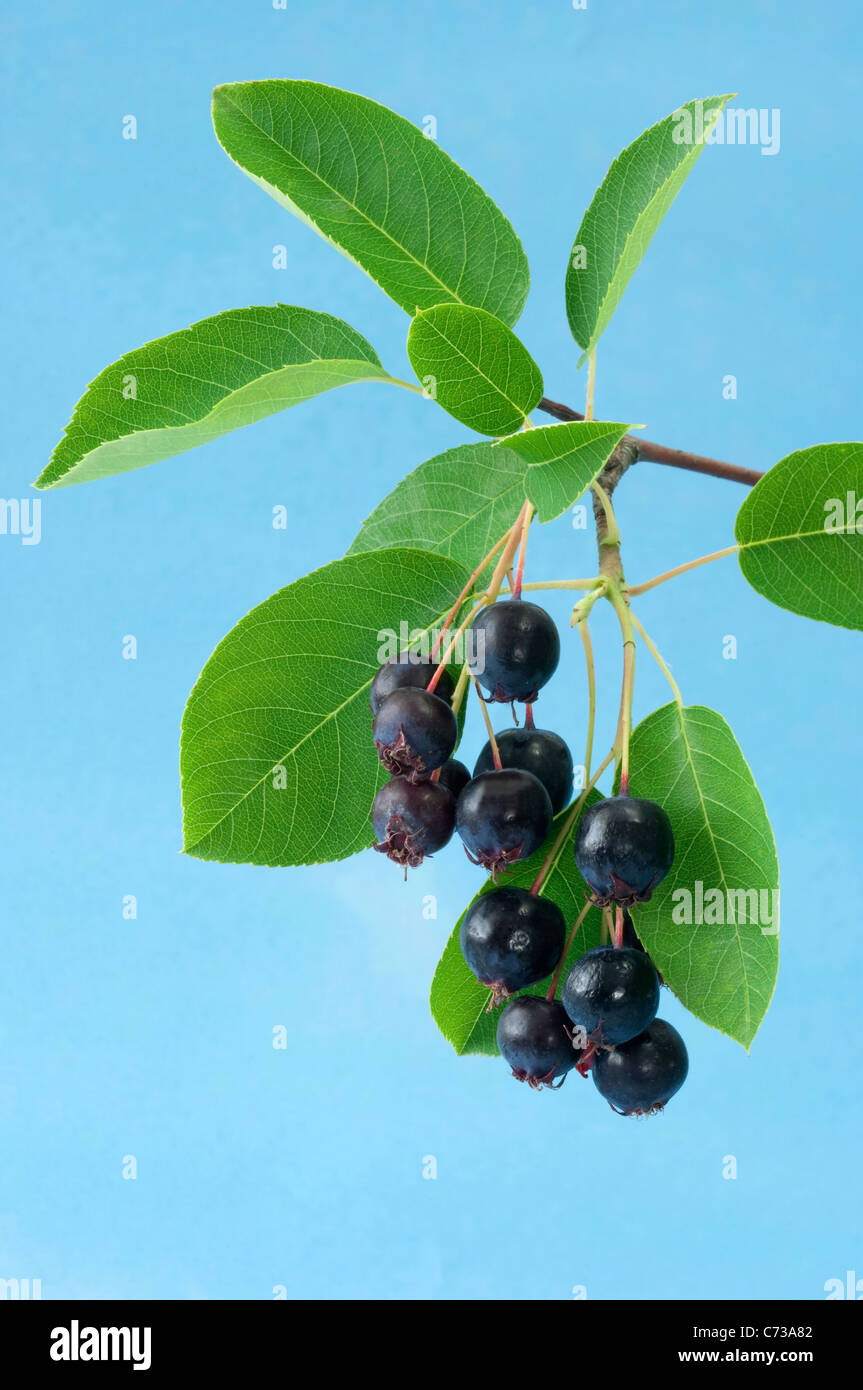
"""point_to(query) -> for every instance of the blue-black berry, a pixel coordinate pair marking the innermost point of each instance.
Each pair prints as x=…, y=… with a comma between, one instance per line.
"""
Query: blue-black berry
x=414, y=733
x=611, y=994
x=412, y=819
x=641, y=1076
x=538, y=751
x=517, y=650
x=454, y=776
x=503, y=817
x=533, y=1038
x=511, y=938
x=404, y=671
x=624, y=846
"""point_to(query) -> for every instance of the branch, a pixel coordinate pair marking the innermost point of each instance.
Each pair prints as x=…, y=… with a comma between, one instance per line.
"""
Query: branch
x=673, y=458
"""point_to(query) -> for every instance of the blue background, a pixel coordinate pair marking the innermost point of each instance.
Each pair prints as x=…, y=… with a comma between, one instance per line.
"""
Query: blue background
x=153, y=1037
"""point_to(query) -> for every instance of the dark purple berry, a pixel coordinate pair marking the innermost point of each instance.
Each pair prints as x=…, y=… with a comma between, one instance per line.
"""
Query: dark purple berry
x=533, y=1038
x=414, y=733
x=502, y=817
x=511, y=938
x=538, y=751
x=641, y=1076
x=412, y=819
x=454, y=776
x=624, y=846
x=408, y=670
x=517, y=650
x=611, y=994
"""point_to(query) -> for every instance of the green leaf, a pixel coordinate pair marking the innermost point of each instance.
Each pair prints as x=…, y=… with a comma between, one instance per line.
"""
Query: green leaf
x=190, y=387
x=372, y=185
x=627, y=208
x=800, y=532
x=564, y=460
x=458, y=1000
x=474, y=367
x=458, y=504
x=723, y=968
x=277, y=760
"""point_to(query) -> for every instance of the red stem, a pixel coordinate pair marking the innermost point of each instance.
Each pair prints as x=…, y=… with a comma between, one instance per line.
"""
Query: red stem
x=618, y=927
x=467, y=588
x=519, y=574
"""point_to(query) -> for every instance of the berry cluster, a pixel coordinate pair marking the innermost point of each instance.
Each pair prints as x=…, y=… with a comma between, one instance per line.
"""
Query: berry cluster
x=504, y=812
x=512, y=938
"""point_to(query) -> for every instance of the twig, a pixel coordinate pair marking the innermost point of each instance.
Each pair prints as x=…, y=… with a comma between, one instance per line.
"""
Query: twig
x=660, y=453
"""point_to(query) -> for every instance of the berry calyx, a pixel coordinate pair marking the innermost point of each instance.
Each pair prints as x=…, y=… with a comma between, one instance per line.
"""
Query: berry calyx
x=538, y=751
x=414, y=733
x=503, y=817
x=412, y=819
x=454, y=776
x=612, y=994
x=641, y=1076
x=404, y=671
x=532, y=1036
x=511, y=938
x=624, y=846
x=517, y=650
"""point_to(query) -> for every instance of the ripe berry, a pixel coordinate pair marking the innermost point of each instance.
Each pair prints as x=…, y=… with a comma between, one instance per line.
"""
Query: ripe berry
x=511, y=938
x=624, y=846
x=414, y=733
x=454, y=776
x=412, y=819
x=640, y=1076
x=611, y=994
x=517, y=650
x=503, y=816
x=532, y=1036
x=406, y=670
x=538, y=751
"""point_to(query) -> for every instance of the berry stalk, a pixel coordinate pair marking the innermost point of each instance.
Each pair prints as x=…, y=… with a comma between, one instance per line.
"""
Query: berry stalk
x=562, y=584
x=508, y=555
x=452, y=646
x=552, y=989
x=515, y=585
x=682, y=569
x=624, y=722
x=460, y=689
x=495, y=751
x=618, y=927
x=655, y=653
x=591, y=695
x=467, y=588
x=554, y=853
